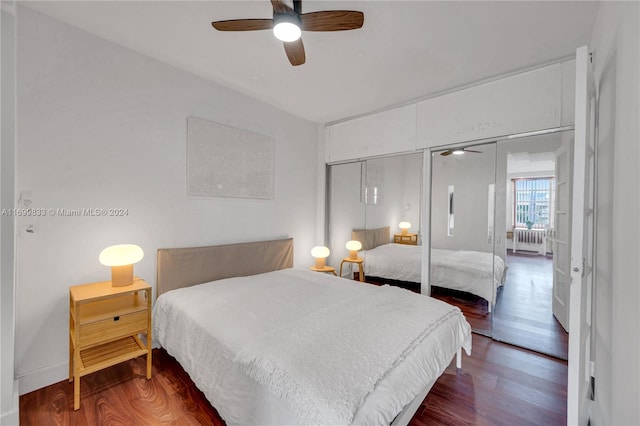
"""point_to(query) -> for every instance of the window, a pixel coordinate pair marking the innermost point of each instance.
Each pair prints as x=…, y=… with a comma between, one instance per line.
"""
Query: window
x=533, y=203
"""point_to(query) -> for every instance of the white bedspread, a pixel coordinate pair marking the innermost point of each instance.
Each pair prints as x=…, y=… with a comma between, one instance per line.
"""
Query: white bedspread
x=475, y=272
x=345, y=334
x=209, y=328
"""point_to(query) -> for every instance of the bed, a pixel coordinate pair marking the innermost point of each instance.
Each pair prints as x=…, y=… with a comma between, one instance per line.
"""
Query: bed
x=474, y=272
x=254, y=335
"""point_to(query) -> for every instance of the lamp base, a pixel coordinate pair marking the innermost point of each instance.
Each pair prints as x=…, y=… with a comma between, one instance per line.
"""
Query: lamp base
x=320, y=263
x=353, y=254
x=121, y=275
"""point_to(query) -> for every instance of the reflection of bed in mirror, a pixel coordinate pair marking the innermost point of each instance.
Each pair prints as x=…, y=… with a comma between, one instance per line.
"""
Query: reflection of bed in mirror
x=474, y=272
x=255, y=345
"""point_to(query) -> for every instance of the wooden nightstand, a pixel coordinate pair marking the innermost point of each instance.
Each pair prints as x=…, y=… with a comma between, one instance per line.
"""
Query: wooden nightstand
x=409, y=239
x=329, y=269
x=359, y=261
x=104, y=323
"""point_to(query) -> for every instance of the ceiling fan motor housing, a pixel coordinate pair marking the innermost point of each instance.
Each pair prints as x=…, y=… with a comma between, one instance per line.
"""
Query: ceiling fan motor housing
x=292, y=18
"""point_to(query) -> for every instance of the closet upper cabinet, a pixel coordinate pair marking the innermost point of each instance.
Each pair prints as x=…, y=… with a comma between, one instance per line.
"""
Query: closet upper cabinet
x=386, y=132
x=521, y=103
x=568, y=92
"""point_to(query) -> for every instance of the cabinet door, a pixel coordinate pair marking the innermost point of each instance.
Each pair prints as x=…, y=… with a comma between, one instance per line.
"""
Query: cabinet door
x=521, y=103
x=568, y=92
x=386, y=132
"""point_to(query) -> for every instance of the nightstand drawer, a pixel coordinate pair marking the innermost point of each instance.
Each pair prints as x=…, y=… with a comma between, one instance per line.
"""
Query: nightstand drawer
x=113, y=328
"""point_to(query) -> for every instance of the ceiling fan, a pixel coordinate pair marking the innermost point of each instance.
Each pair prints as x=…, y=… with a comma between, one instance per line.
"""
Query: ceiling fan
x=288, y=23
x=458, y=151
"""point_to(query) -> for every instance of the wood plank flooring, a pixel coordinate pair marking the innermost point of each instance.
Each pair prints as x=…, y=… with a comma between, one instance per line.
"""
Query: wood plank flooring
x=498, y=385
x=523, y=315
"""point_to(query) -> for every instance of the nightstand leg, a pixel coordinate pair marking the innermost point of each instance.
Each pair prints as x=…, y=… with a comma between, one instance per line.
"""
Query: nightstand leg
x=341, y=263
x=71, y=322
x=149, y=355
x=76, y=393
x=361, y=272
x=70, y=360
x=149, y=364
x=149, y=340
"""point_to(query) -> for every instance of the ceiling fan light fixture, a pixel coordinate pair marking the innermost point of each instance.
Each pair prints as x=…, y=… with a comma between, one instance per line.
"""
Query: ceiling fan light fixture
x=286, y=27
x=458, y=151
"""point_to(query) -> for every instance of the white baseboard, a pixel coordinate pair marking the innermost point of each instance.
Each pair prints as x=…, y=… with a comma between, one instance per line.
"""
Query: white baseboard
x=43, y=377
x=11, y=417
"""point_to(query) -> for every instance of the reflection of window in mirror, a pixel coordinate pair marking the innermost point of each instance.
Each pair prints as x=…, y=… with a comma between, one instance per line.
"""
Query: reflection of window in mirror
x=450, y=212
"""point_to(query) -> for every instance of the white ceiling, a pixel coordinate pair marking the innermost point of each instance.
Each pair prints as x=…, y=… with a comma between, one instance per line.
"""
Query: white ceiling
x=406, y=50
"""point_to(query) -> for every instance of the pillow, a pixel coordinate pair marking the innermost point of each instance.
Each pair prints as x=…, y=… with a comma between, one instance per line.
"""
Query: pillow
x=371, y=238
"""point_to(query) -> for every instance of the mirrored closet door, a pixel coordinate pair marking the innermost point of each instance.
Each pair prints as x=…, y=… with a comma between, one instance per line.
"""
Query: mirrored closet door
x=376, y=204
x=463, y=268
x=533, y=213
x=500, y=233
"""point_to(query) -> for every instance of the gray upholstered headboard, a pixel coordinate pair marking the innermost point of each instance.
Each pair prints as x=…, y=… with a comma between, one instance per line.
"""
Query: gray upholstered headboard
x=183, y=267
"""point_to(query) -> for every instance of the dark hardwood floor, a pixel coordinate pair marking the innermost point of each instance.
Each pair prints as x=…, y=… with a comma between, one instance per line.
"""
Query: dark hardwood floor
x=474, y=308
x=523, y=315
x=498, y=385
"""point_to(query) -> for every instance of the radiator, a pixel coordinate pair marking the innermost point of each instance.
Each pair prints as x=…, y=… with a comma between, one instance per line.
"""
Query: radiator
x=538, y=240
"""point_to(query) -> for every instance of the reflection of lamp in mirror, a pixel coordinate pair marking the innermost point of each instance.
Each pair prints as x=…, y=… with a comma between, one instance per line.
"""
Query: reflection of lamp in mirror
x=353, y=246
x=404, y=226
x=121, y=258
x=320, y=253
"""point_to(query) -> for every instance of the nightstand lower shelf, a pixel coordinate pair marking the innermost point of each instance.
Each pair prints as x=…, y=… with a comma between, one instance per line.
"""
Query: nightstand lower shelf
x=103, y=356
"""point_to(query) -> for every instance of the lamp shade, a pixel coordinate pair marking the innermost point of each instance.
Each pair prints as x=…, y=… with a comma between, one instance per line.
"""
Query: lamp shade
x=121, y=255
x=353, y=245
x=121, y=258
x=404, y=227
x=320, y=251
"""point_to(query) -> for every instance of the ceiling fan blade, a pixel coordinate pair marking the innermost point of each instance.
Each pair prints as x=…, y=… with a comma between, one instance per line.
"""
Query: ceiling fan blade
x=332, y=20
x=279, y=7
x=447, y=152
x=295, y=52
x=243, y=25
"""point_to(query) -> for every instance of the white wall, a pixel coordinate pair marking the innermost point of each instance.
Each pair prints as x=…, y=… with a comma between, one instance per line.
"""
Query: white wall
x=346, y=211
x=100, y=126
x=470, y=174
x=402, y=185
x=616, y=45
x=8, y=385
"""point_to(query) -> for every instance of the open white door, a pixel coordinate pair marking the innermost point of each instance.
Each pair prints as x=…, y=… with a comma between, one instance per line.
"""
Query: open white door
x=562, y=232
x=582, y=234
